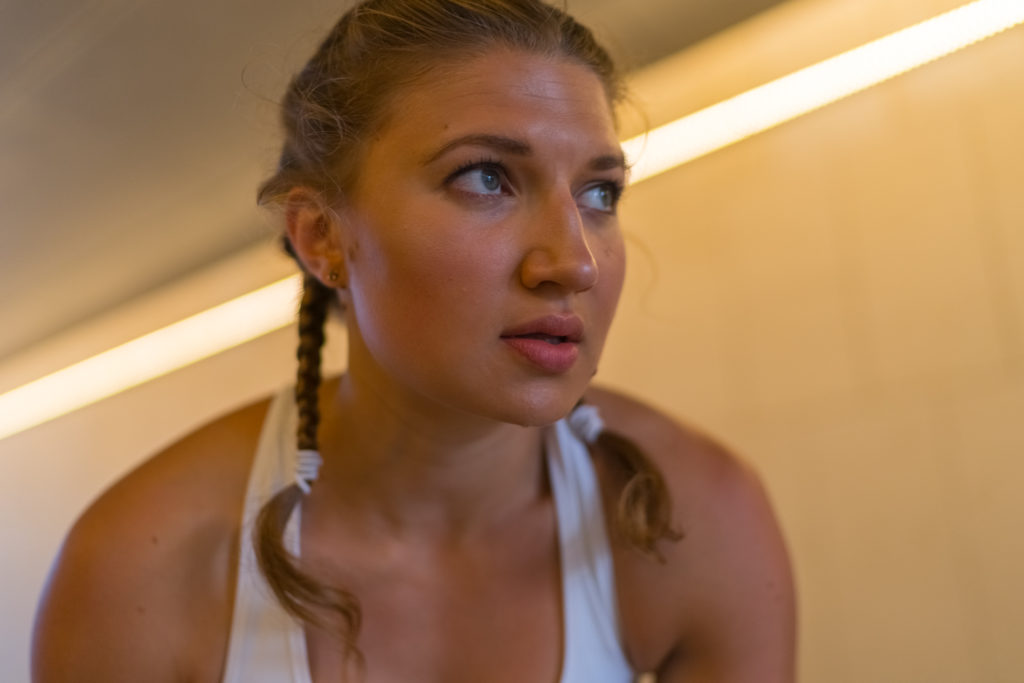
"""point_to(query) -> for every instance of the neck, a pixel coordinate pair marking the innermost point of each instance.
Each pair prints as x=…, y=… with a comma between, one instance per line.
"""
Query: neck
x=410, y=470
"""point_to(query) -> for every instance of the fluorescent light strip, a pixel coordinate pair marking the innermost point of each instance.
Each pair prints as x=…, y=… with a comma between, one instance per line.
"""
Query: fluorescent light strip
x=150, y=356
x=808, y=89
x=272, y=307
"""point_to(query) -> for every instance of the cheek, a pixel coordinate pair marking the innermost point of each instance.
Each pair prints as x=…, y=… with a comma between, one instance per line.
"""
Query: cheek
x=418, y=276
x=612, y=274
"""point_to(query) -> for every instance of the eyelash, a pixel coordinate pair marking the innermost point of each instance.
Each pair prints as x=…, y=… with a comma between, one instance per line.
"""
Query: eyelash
x=616, y=187
x=485, y=163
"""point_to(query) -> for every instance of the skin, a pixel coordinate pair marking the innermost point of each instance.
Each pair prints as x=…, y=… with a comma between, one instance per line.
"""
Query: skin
x=487, y=203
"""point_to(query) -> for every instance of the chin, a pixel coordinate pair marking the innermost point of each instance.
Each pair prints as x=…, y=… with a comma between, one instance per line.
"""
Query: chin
x=538, y=410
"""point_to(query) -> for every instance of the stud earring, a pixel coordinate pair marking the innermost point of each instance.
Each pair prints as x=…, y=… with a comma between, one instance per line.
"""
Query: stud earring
x=333, y=276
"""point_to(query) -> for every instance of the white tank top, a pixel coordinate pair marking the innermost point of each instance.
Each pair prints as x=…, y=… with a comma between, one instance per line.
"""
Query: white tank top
x=267, y=645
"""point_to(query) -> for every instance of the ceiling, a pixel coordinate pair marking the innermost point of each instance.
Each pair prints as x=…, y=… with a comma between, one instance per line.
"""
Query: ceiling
x=133, y=134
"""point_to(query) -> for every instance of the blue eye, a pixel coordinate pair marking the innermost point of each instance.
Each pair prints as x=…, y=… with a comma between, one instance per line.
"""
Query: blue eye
x=489, y=180
x=479, y=178
x=603, y=197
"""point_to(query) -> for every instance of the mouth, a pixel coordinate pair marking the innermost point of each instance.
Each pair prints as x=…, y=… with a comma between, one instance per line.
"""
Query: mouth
x=550, y=344
x=550, y=339
x=553, y=329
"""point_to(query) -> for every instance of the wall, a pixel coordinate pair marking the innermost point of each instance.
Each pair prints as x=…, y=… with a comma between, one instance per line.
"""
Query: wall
x=841, y=299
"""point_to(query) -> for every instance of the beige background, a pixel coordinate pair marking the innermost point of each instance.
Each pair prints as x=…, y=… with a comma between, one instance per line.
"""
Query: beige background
x=841, y=299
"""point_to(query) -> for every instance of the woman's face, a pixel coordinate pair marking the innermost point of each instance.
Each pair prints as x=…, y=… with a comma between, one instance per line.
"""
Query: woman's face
x=483, y=251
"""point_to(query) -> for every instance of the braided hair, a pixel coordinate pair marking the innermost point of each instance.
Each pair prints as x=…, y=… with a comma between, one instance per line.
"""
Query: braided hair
x=300, y=594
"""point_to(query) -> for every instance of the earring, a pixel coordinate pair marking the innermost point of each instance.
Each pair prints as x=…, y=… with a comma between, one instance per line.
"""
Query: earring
x=333, y=275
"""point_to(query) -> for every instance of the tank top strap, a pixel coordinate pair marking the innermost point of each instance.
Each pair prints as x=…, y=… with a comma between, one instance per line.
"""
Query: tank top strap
x=592, y=639
x=266, y=645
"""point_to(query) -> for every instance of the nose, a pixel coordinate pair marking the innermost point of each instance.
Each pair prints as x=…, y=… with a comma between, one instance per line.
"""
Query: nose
x=558, y=254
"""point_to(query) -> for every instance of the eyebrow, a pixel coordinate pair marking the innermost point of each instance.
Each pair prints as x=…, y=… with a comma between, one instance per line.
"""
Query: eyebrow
x=609, y=162
x=502, y=143
x=498, y=142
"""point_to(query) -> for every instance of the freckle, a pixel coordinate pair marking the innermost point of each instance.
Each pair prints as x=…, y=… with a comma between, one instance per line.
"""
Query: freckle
x=154, y=540
x=140, y=609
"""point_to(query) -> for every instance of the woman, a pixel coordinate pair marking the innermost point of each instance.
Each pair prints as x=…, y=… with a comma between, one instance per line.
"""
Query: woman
x=449, y=180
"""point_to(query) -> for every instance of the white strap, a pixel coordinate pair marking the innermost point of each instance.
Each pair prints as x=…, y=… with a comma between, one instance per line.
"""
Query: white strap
x=592, y=648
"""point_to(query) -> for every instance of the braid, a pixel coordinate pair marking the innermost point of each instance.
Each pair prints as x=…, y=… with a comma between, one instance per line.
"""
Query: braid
x=643, y=515
x=312, y=314
x=644, y=511
x=300, y=594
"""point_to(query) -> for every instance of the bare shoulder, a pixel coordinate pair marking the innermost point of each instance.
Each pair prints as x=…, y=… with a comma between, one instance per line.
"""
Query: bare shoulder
x=698, y=470
x=147, y=558
x=721, y=605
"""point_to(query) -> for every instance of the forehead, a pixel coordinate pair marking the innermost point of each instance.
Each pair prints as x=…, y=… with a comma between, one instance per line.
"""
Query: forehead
x=537, y=98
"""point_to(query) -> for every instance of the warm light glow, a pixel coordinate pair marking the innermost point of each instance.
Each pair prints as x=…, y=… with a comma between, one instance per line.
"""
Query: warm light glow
x=150, y=356
x=811, y=88
x=272, y=307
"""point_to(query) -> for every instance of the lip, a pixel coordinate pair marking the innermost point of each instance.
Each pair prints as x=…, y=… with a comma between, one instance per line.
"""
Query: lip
x=568, y=326
x=552, y=358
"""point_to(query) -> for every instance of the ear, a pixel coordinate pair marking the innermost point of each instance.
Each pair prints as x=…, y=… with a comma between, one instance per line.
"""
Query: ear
x=315, y=236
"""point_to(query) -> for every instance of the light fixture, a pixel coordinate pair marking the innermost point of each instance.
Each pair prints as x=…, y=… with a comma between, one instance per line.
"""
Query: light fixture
x=150, y=356
x=803, y=91
x=272, y=307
